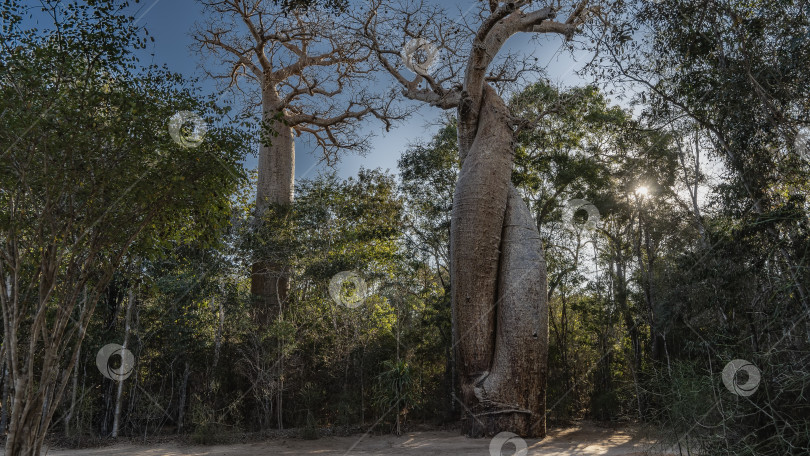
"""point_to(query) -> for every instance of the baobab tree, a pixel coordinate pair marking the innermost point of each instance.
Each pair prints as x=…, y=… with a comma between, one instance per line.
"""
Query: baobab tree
x=497, y=266
x=89, y=179
x=308, y=74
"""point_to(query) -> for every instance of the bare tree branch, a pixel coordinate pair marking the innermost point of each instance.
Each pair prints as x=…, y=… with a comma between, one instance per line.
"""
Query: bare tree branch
x=311, y=71
x=457, y=81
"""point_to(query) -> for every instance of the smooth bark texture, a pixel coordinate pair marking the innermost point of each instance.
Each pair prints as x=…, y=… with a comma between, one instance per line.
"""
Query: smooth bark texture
x=475, y=237
x=499, y=287
x=513, y=395
x=497, y=268
x=275, y=187
x=276, y=157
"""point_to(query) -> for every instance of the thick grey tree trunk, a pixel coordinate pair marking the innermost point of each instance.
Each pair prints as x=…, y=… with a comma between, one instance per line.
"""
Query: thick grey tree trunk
x=275, y=190
x=499, y=290
x=497, y=270
x=275, y=187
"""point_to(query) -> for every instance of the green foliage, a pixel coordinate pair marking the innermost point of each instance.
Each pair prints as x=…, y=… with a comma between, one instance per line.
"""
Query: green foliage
x=726, y=76
x=645, y=311
x=85, y=139
x=428, y=175
x=209, y=427
x=91, y=180
x=394, y=391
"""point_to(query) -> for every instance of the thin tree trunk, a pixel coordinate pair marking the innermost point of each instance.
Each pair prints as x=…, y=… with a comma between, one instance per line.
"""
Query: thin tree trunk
x=454, y=377
x=80, y=418
x=280, y=392
x=5, y=355
x=75, y=380
x=73, y=393
x=218, y=340
x=181, y=408
x=135, y=378
x=120, y=391
x=4, y=412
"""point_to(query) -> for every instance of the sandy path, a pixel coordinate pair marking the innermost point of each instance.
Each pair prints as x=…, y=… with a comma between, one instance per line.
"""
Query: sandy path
x=583, y=440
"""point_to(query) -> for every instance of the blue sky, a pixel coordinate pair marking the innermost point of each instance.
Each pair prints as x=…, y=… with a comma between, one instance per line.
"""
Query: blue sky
x=170, y=23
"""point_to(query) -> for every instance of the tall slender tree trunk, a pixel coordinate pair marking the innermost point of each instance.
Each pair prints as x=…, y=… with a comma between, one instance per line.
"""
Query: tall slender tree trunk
x=4, y=413
x=362, y=387
x=275, y=188
x=119, y=394
x=75, y=380
x=499, y=289
x=218, y=341
x=73, y=393
x=280, y=390
x=181, y=408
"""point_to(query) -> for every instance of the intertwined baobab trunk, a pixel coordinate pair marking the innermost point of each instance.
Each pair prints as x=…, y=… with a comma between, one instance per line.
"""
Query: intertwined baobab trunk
x=497, y=269
x=499, y=293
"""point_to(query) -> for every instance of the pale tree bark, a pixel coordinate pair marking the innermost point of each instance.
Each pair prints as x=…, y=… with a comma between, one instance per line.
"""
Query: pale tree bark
x=689, y=158
x=75, y=381
x=41, y=359
x=119, y=393
x=73, y=393
x=499, y=290
x=269, y=282
x=310, y=73
x=497, y=265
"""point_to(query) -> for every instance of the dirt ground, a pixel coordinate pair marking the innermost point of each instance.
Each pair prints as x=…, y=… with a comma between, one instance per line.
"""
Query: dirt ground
x=582, y=440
